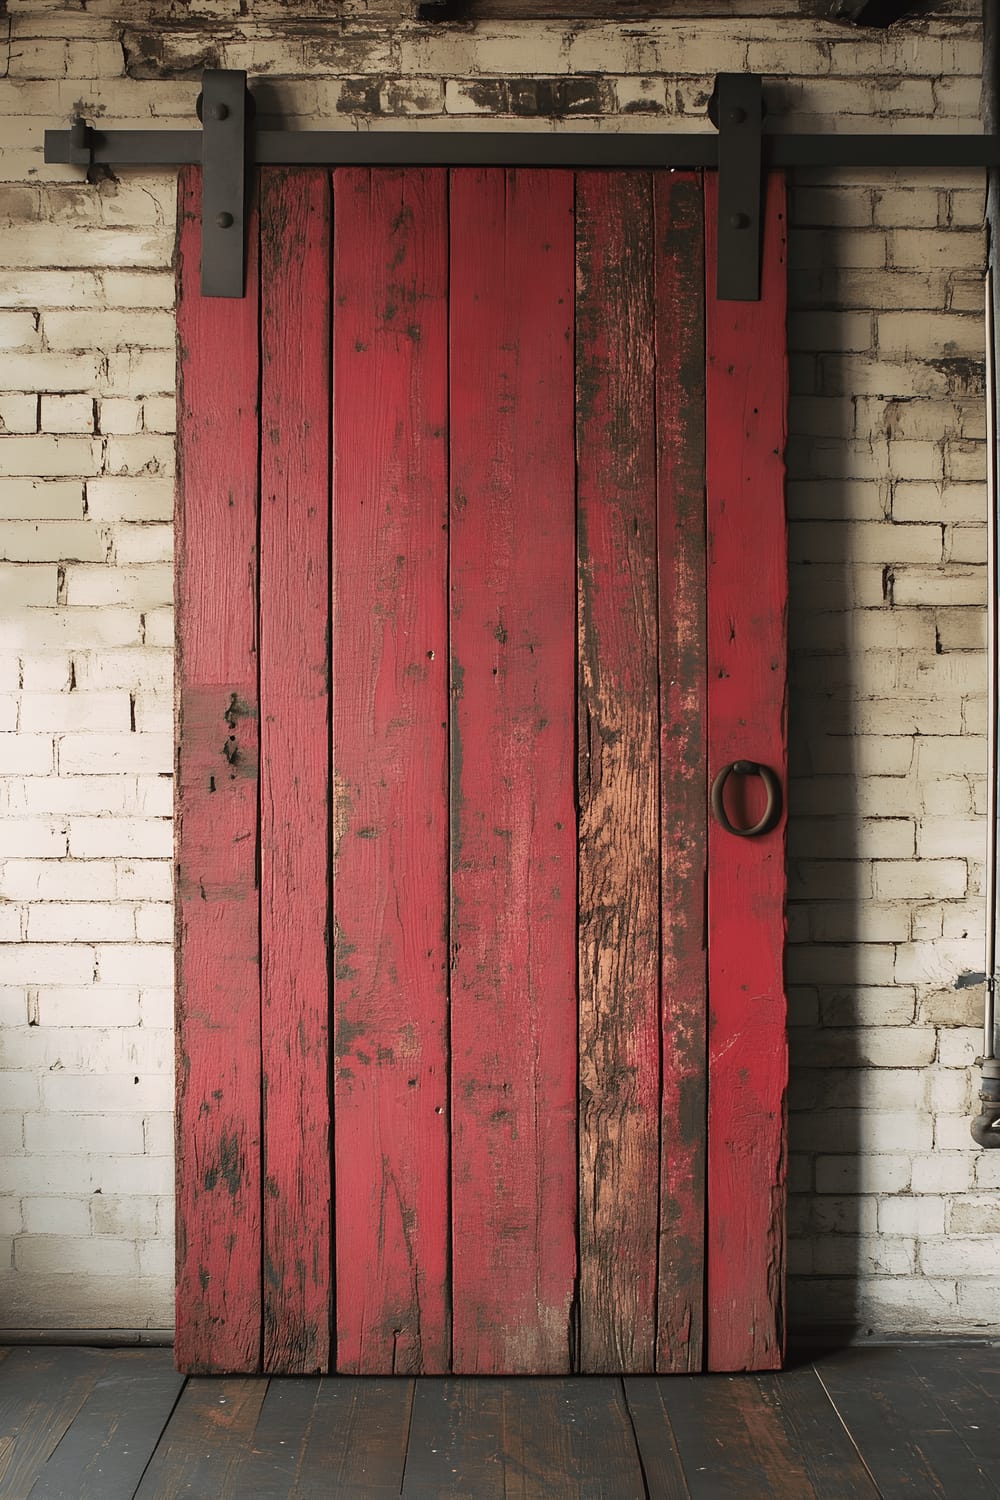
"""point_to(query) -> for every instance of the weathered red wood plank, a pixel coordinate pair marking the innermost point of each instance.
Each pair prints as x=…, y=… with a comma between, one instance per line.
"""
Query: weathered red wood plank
x=617, y=779
x=747, y=593
x=680, y=405
x=390, y=508
x=295, y=594
x=218, y=906
x=513, y=914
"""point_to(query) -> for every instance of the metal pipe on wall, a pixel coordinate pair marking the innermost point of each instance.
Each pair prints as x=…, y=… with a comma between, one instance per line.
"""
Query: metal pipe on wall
x=989, y=1019
x=985, y=1131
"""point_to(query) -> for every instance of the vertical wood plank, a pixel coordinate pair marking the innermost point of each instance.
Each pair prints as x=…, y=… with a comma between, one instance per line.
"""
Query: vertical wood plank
x=294, y=593
x=390, y=766
x=680, y=406
x=218, y=905
x=747, y=594
x=617, y=780
x=513, y=872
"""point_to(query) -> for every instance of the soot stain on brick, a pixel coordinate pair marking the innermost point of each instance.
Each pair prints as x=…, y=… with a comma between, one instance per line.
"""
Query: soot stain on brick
x=403, y=96
x=489, y=94
x=360, y=96
x=965, y=377
x=156, y=54
x=536, y=98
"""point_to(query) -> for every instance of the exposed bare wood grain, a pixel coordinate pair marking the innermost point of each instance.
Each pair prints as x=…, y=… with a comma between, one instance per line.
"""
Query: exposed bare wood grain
x=680, y=407
x=618, y=766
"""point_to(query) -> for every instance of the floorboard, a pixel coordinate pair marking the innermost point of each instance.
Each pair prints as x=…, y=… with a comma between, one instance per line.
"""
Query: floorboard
x=357, y=1445
x=41, y=1392
x=908, y=1440
x=455, y=1440
x=104, y=1452
x=200, y=1453
x=657, y=1442
x=727, y=1440
x=812, y=1429
x=906, y=1423
x=271, y=1466
x=524, y=1439
x=574, y=1433
x=752, y=1436
x=966, y=1385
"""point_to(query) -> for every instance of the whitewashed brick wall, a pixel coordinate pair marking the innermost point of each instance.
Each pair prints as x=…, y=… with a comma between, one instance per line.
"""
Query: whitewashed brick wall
x=894, y=1215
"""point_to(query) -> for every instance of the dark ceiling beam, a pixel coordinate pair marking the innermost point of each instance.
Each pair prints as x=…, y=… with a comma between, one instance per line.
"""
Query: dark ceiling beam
x=876, y=13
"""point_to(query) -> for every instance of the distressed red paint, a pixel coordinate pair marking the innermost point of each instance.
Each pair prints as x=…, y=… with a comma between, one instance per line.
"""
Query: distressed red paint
x=513, y=851
x=294, y=592
x=680, y=405
x=218, y=903
x=390, y=672
x=565, y=567
x=747, y=594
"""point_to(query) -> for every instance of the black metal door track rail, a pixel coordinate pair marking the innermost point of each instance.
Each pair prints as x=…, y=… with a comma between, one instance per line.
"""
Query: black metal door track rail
x=228, y=147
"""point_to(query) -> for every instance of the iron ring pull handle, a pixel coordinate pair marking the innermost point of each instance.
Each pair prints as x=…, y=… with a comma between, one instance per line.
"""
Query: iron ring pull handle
x=772, y=811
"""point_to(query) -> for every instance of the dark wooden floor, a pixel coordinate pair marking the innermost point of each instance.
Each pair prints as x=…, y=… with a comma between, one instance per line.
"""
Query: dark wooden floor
x=91, y=1424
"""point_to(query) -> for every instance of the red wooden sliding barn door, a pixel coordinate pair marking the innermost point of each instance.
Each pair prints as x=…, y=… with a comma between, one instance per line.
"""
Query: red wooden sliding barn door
x=481, y=562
